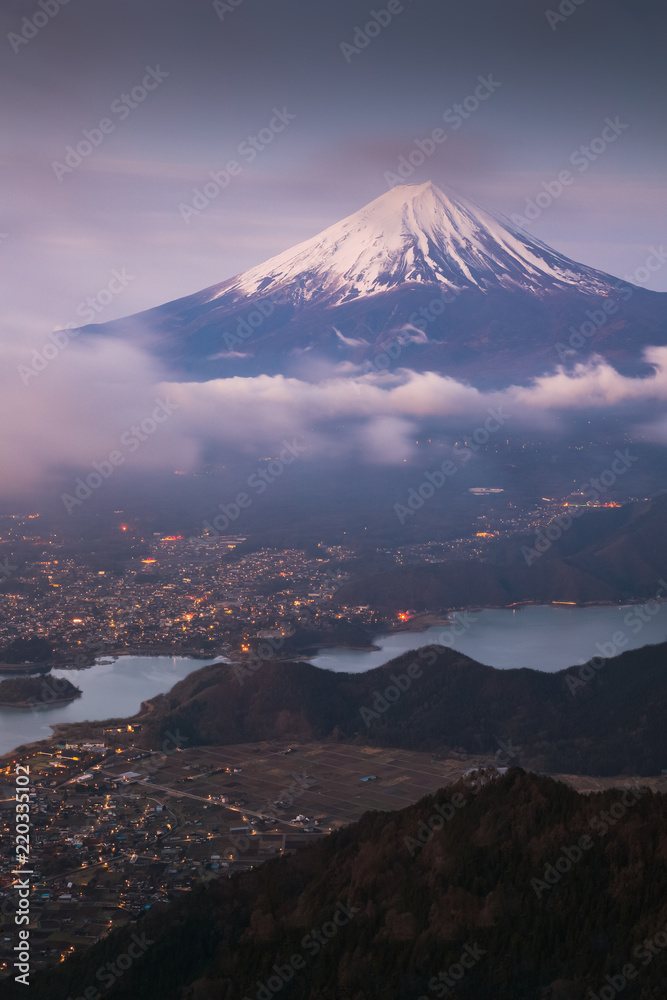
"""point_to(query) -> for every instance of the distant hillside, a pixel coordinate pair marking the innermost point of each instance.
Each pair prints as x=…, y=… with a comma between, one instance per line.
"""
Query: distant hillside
x=606, y=555
x=526, y=890
x=612, y=723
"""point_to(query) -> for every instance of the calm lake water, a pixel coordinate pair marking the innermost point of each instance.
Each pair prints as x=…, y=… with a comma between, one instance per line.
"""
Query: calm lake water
x=543, y=638
x=109, y=690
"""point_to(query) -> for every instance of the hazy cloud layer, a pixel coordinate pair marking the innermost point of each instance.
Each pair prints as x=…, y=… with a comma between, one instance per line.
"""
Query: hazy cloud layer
x=99, y=396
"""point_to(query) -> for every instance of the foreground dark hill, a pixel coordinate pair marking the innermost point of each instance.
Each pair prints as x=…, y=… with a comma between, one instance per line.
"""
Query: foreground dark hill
x=440, y=283
x=611, y=723
x=605, y=555
x=526, y=890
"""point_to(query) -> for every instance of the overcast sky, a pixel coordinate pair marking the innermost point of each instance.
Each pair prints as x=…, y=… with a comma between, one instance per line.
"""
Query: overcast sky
x=117, y=110
x=222, y=72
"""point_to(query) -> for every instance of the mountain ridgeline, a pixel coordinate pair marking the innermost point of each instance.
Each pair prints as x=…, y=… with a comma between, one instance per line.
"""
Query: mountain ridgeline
x=607, y=555
x=604, y=718
x=439, y=281
x=511, y=888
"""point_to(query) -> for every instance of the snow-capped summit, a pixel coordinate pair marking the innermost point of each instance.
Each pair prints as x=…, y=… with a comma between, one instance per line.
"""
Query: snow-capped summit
x=423, y=278
x=412, y=233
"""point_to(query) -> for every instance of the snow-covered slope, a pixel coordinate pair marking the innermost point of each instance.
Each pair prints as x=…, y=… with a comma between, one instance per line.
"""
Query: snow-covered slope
x=413, y=233
x=442, y=284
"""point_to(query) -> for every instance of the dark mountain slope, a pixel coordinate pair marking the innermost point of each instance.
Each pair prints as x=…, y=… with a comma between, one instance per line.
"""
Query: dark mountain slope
x=563, y=722
x=502, y=881
x=447, y=285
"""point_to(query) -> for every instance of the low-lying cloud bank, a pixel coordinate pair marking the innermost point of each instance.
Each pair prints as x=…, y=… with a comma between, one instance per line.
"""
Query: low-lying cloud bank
x=99, y=396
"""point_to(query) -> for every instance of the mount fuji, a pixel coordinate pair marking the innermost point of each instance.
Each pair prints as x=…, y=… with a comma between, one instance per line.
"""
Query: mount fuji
x=416, y=279
x=411, y=235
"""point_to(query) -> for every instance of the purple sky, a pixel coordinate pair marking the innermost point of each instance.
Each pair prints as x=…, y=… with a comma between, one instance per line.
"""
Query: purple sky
x=120, y=208
x=330, y=123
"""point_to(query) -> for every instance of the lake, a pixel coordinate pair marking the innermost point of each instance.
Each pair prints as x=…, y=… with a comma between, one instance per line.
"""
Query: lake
x=545, y=638
x=541, y=637
x=110, y=689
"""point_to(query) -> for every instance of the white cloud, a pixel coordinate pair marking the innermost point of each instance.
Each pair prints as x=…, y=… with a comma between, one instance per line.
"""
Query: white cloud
x=75, y=411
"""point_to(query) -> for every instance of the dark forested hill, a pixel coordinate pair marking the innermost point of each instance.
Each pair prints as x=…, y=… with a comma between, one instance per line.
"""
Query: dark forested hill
x=512, y=888
x=606, y=718
x=29, y=690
